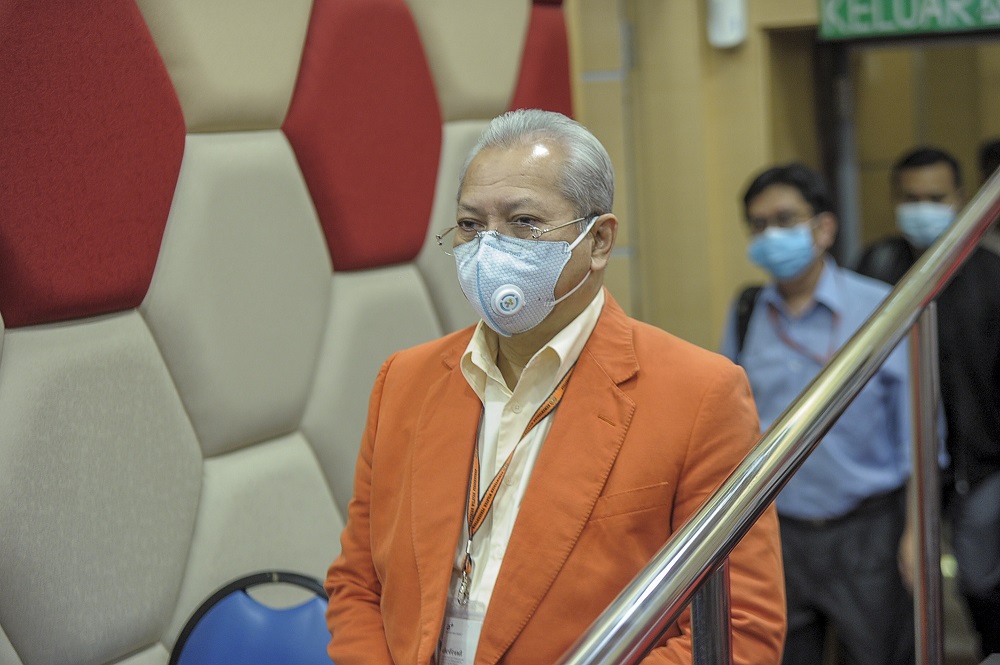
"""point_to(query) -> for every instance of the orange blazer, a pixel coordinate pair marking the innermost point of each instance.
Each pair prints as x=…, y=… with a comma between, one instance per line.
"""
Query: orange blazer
x=649, y=426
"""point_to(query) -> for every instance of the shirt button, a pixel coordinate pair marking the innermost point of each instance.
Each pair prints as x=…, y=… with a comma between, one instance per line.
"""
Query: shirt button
x=509, y=481
x=516, y=407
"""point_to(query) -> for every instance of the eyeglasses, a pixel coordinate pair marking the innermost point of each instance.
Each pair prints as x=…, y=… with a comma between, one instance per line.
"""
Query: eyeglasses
x=468, y=229
x=784, y=220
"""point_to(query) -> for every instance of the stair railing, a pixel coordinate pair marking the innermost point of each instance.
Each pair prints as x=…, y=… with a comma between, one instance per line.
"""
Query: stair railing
x=692, y=565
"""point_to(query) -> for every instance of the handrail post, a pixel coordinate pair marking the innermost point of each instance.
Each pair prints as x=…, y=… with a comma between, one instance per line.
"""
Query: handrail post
x=924, y=496
x=710, y=625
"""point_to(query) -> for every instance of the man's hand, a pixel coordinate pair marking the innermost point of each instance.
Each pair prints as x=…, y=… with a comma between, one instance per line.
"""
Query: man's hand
x=906, y=557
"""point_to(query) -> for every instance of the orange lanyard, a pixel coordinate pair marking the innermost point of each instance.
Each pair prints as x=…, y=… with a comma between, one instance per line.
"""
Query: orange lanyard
x=479, y=507
x=773, y=315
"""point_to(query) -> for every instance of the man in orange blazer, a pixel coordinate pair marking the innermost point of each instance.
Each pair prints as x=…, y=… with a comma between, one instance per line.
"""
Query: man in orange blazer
x=515, y=476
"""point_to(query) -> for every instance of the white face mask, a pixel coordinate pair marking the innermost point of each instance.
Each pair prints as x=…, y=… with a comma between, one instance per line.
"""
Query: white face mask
x=511, y=282
x=923, y=221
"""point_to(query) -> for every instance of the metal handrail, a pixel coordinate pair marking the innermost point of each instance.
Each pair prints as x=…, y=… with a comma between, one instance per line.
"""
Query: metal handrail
x=655, y=598
x=925, y=490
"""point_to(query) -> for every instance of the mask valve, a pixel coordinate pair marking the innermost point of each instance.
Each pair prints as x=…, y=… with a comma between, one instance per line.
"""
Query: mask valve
x=508, y=300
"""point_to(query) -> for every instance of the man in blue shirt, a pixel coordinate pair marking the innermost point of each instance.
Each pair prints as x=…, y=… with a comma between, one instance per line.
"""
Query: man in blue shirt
x=843, y=514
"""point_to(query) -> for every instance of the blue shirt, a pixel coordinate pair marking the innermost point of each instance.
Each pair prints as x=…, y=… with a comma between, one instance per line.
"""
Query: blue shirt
x=867, y=451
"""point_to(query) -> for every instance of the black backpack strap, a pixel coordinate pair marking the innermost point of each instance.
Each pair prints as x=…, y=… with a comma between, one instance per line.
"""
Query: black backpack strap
x=744, y=308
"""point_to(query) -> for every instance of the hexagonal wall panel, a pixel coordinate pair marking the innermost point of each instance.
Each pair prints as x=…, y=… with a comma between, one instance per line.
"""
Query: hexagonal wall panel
x=240, y=295
x=373, y=314
x=100, y=484
x=233, y=62
x=366, y=128
x=437, y=268
x=92, y=142
x=475, y=67
x=7, y=653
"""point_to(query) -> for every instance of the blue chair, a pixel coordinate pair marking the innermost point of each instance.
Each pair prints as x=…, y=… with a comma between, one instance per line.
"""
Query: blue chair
x=233, y=627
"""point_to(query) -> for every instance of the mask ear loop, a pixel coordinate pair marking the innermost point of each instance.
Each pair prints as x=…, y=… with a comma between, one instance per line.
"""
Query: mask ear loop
x=571, y=247
x=583, y=234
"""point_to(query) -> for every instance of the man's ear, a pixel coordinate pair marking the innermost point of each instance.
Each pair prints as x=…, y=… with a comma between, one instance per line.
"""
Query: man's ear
x=605, y=232
x=826, y=230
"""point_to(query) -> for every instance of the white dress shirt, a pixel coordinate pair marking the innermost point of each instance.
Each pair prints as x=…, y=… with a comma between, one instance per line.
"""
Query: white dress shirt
x=505, y=415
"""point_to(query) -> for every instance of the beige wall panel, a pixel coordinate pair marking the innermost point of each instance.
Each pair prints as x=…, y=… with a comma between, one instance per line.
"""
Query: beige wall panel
x=7, y=654
x=885, y=110
x=99, y=490
x=474, y=50
x=671, y=158
x=602, y=112
x=436, y=267
x=239, y=298
x=703, y=127
x=373, y=313
x=155, y=655
x=233, y=62
x=718, y=223
x=740, y=143
x=595, y=34
x=266, y=507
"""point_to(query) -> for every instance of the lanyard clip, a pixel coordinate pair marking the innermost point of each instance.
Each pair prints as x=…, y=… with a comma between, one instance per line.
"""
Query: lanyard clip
x=463, y=587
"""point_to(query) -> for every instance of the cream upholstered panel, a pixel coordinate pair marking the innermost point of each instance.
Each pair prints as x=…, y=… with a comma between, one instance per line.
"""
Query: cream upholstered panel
x=239, y=298
x=232, y=62
x=266, y=507
x=373, y=313
x=474, y=50
x=7, y=654
x=437, y=268
x=99, y=490
x=155, y=655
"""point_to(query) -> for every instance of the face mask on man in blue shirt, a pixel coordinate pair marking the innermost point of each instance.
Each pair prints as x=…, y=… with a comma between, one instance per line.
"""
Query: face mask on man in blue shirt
x=923, y=221
x=784, y=252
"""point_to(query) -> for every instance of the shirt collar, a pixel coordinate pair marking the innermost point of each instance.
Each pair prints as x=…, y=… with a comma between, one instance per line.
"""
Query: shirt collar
x=479, y=358
x=826, y=294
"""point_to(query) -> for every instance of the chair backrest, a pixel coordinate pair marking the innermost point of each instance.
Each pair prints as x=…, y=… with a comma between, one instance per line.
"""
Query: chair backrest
x=232, y=626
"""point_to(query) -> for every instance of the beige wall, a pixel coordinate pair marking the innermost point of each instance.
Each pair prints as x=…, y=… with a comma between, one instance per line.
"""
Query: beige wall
x=688, y=125
x=598, y=101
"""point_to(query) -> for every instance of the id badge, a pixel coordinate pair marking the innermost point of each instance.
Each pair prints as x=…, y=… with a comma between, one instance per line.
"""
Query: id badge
x=460, y=634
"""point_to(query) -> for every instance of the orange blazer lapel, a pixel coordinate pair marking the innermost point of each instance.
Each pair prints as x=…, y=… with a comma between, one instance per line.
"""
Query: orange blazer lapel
x=442, y=458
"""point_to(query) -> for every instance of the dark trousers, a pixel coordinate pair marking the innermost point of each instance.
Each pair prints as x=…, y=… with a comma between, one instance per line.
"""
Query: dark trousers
x=842, y=574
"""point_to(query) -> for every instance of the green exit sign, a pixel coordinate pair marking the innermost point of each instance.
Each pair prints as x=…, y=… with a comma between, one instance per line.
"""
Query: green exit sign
x=851, y=19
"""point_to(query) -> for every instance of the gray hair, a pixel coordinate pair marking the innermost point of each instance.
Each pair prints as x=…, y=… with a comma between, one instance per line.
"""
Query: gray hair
x=588, y=180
